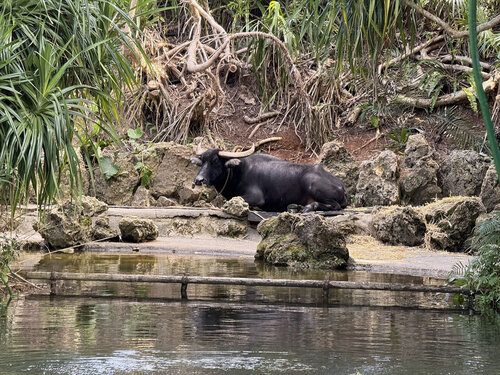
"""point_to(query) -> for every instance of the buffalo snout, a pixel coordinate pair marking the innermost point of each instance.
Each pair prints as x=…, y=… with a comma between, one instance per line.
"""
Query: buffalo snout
x=199, y=180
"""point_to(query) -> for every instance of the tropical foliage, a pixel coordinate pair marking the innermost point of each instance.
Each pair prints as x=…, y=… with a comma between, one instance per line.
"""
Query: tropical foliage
x=62, y=71
x=345, y=56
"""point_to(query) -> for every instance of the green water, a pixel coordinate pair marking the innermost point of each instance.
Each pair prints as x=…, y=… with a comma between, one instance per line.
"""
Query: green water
x=202, y=265
x=147, y=329
x=98, y=336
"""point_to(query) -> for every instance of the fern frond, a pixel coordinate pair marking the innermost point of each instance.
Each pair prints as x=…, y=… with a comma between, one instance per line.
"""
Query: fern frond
x=450, y=124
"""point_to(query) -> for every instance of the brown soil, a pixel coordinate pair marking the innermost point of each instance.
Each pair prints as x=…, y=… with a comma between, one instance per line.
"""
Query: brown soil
x=242, y=100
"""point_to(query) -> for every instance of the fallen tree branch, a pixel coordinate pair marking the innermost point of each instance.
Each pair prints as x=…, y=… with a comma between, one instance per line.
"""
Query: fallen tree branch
x=260, y=118
x=447, y=28
x=19, y=277
x=256, y=128
x=463, y=59
x=447, y=99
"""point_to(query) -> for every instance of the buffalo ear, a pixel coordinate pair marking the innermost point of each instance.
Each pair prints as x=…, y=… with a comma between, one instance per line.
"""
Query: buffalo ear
x=196, y=161
x=231, y=163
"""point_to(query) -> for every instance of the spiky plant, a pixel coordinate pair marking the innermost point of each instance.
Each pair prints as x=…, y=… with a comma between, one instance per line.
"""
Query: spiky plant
x=62, y=66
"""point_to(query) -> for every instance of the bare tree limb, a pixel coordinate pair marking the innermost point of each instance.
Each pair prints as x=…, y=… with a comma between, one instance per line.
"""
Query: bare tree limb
x=262, y=117
x=447, y=28
x=447, y=99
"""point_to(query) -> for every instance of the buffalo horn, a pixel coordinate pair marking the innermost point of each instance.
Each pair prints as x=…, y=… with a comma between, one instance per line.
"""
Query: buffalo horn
x=241, y=154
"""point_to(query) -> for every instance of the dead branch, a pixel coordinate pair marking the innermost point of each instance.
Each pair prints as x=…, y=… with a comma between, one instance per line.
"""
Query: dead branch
x=260, y=118
x=447, y=28
x=256, y=128
x=353, y=117
x=463, y=59
x=16, y=275
x=462, y=68
x=454, y=98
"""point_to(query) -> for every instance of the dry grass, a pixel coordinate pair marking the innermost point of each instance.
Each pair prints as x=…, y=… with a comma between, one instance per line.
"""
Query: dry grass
x=368, y=248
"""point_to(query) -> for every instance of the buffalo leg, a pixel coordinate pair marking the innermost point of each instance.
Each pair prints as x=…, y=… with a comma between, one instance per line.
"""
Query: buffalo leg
x=254, y=198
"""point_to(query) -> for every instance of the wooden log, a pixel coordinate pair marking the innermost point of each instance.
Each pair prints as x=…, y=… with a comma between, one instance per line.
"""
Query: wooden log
x=321, y=284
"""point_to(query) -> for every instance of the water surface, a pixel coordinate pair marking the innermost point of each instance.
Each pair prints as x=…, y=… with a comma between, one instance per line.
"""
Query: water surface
x=40, y=335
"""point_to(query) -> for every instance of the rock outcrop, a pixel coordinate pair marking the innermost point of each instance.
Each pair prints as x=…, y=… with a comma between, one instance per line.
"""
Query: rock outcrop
x=307, y=241
x=173, y=176
x=138, y=230
x=451, y=221
x=399, y=226
x=462, y=173
x=419, y=180
x=118, y=189
x=490, y=189
x=336, y=160
x=70, y=223
x=378, y=181
x=170, y=175
x=102, y=230
x=141, y=197
x=237, y=207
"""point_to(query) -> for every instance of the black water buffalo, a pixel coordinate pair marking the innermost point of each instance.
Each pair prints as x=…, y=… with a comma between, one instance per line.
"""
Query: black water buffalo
x=269, y=183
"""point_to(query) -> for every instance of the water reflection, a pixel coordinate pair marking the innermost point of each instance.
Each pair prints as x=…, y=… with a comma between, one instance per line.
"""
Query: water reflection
x=97, y=336
x=176, y=264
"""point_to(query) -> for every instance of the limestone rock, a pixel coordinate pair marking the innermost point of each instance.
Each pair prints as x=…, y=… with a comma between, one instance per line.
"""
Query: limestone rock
x=203, y=225
x=419, y=181
x=355, y=221
x=137, y=230
x=378, y=181
x=175, y=173
x=165, y=202
x=70, y=223
x=119, y=189
x=451, y=222
x=103, y=230
x=141, y=197
x=301, y=241
x=462, y=173
x=490, y=189
x=92, y=206
x=236, y=206
x=338, y=161
x=399, y=226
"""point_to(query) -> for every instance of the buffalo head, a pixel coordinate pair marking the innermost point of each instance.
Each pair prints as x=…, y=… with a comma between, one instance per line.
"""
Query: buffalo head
x=215, y=163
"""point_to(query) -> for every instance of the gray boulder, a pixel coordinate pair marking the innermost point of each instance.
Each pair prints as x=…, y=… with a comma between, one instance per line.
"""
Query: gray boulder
x=165, y=202
x=141, y=197
x=306, y=241
x=490, y=189
x=399, y=226
x=451, y=221
x=119, y=189
x=175, y=173
x=70, y=223
x=462, y=173
x=336, y=160
x=134, y=229
x=419, y=180
x=102, y=230
x=236, y=206
x=378, y=181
